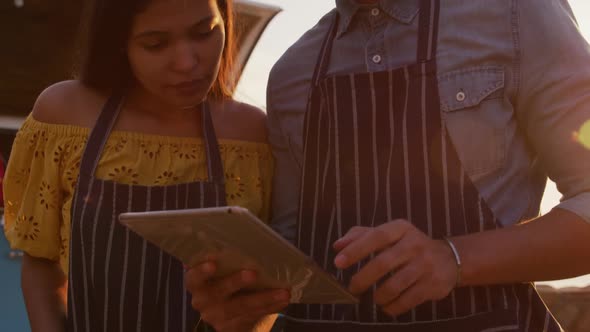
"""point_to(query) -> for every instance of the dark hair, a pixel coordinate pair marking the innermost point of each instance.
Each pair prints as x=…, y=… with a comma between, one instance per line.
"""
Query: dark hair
x=105, y=67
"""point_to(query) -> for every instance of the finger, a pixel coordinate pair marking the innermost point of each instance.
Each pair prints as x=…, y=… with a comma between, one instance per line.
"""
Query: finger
x=388, y=260
x=397, y=284
x=227, y=287
x=242, y=323
x=411, y=298
x=261, y=303
x=221, y=290
x=257, y=320
x=374, y=240
x=353, y=234
x=196, y=276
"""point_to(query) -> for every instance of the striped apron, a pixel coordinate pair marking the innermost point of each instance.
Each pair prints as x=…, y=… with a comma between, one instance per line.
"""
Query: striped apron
x=118, y=281
x=377, y=149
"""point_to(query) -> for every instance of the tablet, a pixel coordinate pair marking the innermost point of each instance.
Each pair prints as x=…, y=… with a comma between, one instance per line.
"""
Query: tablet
x=238, y=240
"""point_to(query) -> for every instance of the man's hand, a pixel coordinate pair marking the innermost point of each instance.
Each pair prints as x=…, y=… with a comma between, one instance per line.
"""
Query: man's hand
x=220, y=303
x=423, y=269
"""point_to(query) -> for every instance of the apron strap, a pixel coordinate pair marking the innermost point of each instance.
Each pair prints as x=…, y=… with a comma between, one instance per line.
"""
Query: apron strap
x=94, y=146
x=323, y=62
x=99, y=135
x=104, y=125
x=214, y=163
x=428, y=30
x=427, y=39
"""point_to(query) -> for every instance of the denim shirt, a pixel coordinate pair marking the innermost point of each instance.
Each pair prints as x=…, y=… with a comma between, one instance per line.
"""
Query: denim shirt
x=514, y=81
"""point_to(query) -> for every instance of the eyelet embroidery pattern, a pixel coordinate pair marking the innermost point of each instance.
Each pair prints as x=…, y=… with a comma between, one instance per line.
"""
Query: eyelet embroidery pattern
x=151, y=150
x=72, y=174
x=40, y=154
x=165, y=178
x=58, y=154
x=38, y=141
x=26, y=228
x=234, y=186
x=124, y=174
x=120, y=145
x=260, y=187
x=38, y=137
x=22, y=175
x=48, y=196
x=182, y=153
x=232, y=149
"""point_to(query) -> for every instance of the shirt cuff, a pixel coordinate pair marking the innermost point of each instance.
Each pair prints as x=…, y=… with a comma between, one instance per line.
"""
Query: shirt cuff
x=579, y=205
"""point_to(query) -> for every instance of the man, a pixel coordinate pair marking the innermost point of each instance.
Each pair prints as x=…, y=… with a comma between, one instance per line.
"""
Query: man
x=420, y=134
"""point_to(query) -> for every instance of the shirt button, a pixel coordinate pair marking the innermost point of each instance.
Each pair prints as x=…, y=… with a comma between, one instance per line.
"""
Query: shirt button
x=461, y=96
x=376, y=58
x=375, y=11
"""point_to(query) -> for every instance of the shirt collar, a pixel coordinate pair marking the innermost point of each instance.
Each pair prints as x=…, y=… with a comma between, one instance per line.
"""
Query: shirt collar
x=401, y=10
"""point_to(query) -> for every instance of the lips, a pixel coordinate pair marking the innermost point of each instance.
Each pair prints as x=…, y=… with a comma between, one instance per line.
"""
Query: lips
x=187, y=84
x=189, y=87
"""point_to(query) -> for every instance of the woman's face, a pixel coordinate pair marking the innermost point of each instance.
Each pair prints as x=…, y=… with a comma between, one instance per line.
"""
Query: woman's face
x=175, y=49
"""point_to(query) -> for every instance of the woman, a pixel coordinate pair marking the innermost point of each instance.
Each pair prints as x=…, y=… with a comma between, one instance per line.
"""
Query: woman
x=136, y=132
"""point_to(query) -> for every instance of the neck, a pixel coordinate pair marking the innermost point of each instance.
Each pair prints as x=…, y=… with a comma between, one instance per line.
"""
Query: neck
x=138, y=100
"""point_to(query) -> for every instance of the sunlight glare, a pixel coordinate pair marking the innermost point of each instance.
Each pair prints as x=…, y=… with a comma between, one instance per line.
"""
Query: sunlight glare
x=583, y=136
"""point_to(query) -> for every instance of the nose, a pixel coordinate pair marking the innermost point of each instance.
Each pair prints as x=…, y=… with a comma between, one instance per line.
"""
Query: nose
x=185, y=57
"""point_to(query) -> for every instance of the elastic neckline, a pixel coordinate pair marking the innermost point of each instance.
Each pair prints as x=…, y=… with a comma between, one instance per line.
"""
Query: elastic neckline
x=74, y=130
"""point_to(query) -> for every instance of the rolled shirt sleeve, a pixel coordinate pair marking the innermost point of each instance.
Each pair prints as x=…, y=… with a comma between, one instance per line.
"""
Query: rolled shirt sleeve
x=554, y=97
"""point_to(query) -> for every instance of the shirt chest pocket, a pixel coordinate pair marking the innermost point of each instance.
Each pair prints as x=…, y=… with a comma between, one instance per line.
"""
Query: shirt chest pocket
x=476, y=114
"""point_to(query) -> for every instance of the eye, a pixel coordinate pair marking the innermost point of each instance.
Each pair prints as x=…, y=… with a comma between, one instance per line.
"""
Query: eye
x=202, y=33
x=153, y=46
x=204, y=29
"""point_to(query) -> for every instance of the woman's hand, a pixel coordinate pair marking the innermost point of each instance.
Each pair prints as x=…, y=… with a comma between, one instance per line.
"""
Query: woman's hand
x=422, y=269
x=223, y=306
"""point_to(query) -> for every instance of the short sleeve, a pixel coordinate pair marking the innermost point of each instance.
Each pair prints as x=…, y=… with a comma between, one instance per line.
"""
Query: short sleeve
x=248, y=176
x=32, y=191
x=266, y=176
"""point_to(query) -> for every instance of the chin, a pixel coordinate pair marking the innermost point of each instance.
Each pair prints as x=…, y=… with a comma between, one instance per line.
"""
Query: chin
x=186, y=103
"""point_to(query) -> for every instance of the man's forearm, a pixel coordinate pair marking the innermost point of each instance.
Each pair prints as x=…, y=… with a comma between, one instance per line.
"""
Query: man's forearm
x=554, y=246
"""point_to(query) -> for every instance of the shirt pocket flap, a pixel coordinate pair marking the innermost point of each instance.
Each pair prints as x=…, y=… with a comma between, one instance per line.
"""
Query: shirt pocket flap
x=468, y=87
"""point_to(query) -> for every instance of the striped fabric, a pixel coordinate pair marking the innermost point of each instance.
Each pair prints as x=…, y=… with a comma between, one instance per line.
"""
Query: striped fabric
x=377, y=149
x=118, y=281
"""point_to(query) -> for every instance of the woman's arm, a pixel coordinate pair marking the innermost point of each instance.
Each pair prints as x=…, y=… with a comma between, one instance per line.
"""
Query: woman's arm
x=44, y=288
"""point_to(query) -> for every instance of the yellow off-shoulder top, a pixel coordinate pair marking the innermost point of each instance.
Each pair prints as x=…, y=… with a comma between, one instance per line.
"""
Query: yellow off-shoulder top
x=44, y=164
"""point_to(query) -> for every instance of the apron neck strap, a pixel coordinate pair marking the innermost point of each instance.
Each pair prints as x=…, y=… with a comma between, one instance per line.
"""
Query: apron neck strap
x=106, y=122
x=99, y=134
x=323, y=62
x=428, y=30
x=214, y=163
x=427, y=38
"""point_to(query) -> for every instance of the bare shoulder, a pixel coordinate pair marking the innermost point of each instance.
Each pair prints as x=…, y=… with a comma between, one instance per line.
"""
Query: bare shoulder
x=68, y=103
x=243, y=122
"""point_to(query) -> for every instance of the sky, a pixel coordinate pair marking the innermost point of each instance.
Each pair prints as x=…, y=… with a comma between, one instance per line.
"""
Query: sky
x=297, y=16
